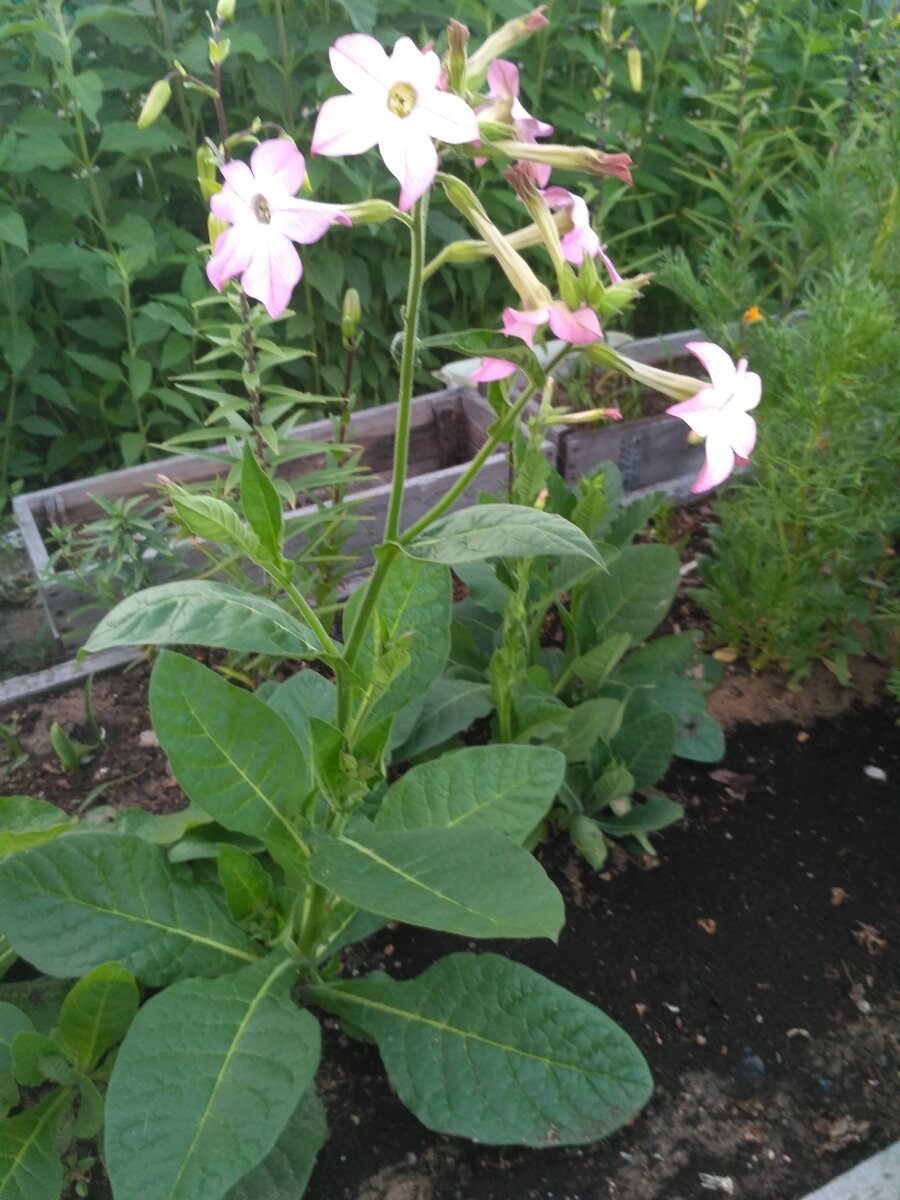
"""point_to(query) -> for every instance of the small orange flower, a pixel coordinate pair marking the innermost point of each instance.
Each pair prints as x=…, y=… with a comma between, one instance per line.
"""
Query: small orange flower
x=752, y=315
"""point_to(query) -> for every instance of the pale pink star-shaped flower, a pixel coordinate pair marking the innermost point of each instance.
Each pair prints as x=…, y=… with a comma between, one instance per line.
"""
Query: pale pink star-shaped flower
x=720, y=413
x=579, y=327
x=580, y=239
x=395, y=103
x=258, y=202
x=503, y=90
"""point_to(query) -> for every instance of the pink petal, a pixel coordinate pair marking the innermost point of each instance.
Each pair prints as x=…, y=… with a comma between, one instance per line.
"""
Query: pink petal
x=408, y=64
x=446, y=117
x=231, y=255
x=361, y=65
x=701, y=413
x=539, y=172
x=524, y=324
x=279, y=162
x=306, y=221
x=228, y=206
x=717, y=363
x=742, y=431
x=239, y=178
x=614, y=276
x=273, y=273
x=719, y=463
x=410, y=156
x=579, y=328
x=492, y=369
x=503, y=80
x=348, y=125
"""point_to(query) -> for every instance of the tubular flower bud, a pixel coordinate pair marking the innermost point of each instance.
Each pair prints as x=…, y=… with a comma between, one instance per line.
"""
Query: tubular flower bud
x=635, y=70
x=157, y=99
x=351, y=315
x=504, y=39
x=455, y=62
x=225, y=10
x=370, y=212
x=572, y=158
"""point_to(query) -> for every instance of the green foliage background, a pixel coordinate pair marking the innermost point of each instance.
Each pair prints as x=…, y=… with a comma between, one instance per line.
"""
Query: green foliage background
x=102, y=228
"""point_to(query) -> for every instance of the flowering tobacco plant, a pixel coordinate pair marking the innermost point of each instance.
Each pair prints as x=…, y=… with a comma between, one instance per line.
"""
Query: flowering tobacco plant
x=211, y=1094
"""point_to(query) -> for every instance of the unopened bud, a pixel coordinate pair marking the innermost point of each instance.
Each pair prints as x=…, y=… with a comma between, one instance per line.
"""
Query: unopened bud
x=225, y=10
x=587, y=277
x=370, y=212
x=351, y=316
x=157, y=99
x=219, y=50
x=569, y=289
x=635, y=70
x=214, y=229
x=606, y=25
x=458, y=38
x=207, y=172
x=505, y=37
x=571, y=158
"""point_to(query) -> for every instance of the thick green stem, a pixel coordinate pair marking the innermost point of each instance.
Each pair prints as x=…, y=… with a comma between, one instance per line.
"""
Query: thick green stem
x=309, y=616
x=407, y=368
x=285, y=62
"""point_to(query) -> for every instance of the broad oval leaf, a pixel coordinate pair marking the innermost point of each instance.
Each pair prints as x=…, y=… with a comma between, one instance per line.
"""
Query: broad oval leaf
x=485, y=1048
x=199, y=612
x=206, y=1080
x=284, y=1173
x=633, y=597
x=473, y=882
x=450, y=706
x=96, y=1013
x=234, y=755
x=507, y=788
x=90, y=898
x=645, y=746
x=500, y=530
x=13, y=1021
x=30, y=1168
x=26, y=821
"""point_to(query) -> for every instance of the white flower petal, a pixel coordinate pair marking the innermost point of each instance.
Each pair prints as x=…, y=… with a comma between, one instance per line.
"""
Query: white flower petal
x=239, y=178
x=446, y=117
x=278, y=164
x=719, y=462
x=742, y=431
x=273, y=273
x=718, y=364
x=233, y=250
x=304, y=221
x=409, y=65
x=360, y=64
x=748, y=392
x=349, y=125
x=410, y=157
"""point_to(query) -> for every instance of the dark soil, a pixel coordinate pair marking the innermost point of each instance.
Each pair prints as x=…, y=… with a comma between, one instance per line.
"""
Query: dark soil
x=755, y=962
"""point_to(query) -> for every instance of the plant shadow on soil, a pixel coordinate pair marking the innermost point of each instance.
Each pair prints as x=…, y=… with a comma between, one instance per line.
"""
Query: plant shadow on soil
x=755, y=962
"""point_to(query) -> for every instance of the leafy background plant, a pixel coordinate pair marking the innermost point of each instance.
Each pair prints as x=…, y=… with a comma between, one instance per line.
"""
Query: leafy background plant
x=101, y=224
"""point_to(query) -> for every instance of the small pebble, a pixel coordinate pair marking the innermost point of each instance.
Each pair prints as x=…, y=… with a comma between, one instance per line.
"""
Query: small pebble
x=875, y=773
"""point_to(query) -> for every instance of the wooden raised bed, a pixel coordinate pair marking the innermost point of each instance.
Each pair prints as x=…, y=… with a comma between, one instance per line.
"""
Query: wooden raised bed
x=447, y=429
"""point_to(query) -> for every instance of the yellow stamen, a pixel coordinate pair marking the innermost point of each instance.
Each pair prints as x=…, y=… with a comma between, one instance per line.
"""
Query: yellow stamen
x=402, y=99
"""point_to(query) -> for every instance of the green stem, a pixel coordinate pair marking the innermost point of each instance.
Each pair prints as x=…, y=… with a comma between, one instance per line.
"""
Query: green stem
x=285, y=61
x=309, y=616
x=128, y=314
x=480, y=458
x=407, y=369
x=178, y=89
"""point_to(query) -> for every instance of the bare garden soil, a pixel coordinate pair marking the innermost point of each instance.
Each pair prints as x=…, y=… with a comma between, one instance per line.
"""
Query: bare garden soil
x=756, y=962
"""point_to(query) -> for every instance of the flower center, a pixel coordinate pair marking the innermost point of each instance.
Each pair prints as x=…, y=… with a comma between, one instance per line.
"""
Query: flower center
x=261, y=210
x=402, y=99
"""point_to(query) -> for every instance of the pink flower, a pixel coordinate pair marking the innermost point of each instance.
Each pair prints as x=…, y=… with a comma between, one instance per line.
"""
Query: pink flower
x=503, y=90
x=720, y=413
x=581, y=239
x=395, y=102
x=258, y=203
x=579, y=327
x=492, y=369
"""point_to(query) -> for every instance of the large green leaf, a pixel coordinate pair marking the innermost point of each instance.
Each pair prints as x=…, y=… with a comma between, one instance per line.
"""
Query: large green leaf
x=30, y=1168
x=450, y=706
x=215, y=520
x=13, y=1021
x=198, y=612
x=91, y=898
x=645, y=746
x=232, y=754
x=507, y=788
x=284, y=1173
x=633, y=597
x=486, y=1048
x=656, y=812
x=306, y=694
x=26, y=822
x=96, y=1013
x=500, y=530
x=472, y=881
x=206, y=1080
x=261, y=504
x=415, y=600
